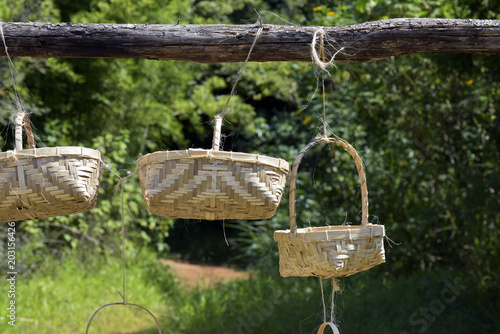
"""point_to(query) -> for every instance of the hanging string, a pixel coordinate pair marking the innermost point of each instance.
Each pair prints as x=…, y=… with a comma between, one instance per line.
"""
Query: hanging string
x=332, y=321
x=122, y=232
x=16, y=97
x=332, y=307
x=324, y=103
x=120, y=185
x=220, y=116
x=224, y=232
x=320, y=61
x=11, y=65
x=240, y=73
x=323, y=93
x=323, y=298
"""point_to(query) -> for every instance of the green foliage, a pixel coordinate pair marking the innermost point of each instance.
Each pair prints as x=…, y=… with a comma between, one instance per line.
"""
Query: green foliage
x=36, y=10
x=426, y=127
x=65, y=292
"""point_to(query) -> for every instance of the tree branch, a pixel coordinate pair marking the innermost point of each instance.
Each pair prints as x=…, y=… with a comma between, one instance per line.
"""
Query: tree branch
x=72, y=230
x=362, y=42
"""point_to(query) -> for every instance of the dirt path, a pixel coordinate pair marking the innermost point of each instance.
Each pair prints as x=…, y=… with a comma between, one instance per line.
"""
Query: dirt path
x=196, y=275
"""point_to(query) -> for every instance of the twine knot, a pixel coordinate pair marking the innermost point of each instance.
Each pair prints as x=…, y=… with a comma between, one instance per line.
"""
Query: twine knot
x=322, y=137
x=320, y=59
x=12, y=156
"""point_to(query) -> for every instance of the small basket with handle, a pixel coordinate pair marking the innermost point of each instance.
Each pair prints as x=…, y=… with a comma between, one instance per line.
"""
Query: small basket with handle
x=330, y=251
x=44, y=182
x=212, y=184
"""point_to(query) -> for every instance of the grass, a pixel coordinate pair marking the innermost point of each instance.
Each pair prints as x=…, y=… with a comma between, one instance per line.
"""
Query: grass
x=61, y=297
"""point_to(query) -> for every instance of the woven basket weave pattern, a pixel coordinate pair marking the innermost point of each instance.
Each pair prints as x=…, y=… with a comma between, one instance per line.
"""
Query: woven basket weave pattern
x=46, y=182
x=40, y=187
x=329, y=258
x=211, y=188
x=330, y=251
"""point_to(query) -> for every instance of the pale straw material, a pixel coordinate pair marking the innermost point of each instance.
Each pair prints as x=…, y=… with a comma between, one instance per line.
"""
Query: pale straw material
x=46, y=182
x=212, y=185
x=330, y=251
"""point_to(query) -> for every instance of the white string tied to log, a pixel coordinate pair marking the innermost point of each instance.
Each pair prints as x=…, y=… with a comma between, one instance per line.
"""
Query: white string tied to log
x=320, y=59
x=219, y=117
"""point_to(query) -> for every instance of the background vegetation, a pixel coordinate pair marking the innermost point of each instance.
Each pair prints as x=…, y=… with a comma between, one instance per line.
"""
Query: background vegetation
x=426, y=126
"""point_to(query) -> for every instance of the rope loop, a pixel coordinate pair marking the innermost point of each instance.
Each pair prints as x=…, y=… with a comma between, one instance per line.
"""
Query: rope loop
x=320, y=59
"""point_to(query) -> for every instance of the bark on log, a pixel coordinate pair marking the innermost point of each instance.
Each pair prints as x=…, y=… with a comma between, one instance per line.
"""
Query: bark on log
x=363, y=42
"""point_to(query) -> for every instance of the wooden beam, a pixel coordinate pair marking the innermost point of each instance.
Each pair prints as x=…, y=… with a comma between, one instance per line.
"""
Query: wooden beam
x=362, y=42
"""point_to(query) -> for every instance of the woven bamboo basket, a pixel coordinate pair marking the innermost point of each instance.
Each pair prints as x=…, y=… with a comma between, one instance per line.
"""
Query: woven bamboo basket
x=212, y=184
x=330, y=251
x=45, y=182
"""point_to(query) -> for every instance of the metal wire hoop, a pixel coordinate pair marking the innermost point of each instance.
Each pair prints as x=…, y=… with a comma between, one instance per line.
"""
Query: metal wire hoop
x=122, y=303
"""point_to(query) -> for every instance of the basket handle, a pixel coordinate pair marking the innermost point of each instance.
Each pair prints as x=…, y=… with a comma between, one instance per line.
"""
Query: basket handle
x=21, y=119
x=359, y=166
x=217, y=132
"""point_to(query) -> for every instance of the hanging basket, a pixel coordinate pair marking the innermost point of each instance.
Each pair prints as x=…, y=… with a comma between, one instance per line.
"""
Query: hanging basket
x=38, y=183
x=330, y=251
x=212, y=184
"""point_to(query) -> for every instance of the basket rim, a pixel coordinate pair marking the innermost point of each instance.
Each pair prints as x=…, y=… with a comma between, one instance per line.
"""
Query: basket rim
x=193, y=153
x=325, y=233
x=58, y=151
